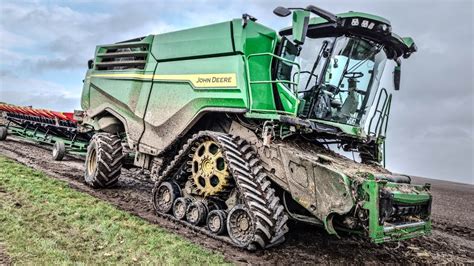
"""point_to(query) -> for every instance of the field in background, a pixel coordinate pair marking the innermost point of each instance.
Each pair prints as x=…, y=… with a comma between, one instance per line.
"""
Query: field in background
x=44, y=221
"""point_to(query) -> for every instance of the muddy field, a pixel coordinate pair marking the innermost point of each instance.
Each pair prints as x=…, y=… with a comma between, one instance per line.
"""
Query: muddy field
x=453, y=221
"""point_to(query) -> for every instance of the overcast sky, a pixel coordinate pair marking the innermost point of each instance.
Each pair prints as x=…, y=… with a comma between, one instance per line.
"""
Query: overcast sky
x=44, y=48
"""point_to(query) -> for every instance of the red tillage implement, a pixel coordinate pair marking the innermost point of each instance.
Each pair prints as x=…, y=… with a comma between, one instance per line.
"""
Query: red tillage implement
x=58, y=129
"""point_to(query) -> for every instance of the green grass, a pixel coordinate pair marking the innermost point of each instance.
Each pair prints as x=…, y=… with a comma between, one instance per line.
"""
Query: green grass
x=43, y=221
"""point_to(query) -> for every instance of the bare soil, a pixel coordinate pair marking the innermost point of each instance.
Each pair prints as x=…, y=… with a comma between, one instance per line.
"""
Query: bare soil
x=4, y=259
x=452, y=239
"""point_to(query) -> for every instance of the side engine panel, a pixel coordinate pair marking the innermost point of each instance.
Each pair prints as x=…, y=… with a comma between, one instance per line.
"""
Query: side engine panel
x=180, y=95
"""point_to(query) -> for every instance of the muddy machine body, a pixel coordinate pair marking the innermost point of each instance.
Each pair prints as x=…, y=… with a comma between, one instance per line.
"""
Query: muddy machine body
x=237, y=124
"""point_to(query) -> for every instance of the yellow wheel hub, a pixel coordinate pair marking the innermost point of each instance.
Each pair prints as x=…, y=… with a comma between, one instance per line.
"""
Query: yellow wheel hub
x=209, y=169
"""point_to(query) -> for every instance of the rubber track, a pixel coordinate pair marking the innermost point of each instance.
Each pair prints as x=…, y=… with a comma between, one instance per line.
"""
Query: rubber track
x=251, y=181
x=109, y=163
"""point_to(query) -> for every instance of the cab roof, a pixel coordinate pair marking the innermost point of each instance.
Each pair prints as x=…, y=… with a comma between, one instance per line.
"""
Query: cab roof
x=369, y=26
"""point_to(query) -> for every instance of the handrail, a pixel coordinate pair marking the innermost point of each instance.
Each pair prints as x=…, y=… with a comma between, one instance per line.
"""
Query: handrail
x=386, y=116
x=250, y=82
x=378, y=111
x=382, y=121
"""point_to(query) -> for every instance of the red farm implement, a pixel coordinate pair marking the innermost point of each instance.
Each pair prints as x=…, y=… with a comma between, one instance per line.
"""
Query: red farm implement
x=58, y=129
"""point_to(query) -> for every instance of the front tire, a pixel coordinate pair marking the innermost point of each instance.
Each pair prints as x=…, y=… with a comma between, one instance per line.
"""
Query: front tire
x=103, y=161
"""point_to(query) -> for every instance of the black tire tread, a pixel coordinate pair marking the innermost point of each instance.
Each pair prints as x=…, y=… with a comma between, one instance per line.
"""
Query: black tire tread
x=60, y=149
x=109, y=160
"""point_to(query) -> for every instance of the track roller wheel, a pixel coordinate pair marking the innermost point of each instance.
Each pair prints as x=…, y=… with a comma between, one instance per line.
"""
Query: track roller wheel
x=103, y=160
x=165, y=195
x=240, y=226
x=216, y=222
x=59, y=150
x=180, y=206
x=3, y=132
x=196, y=213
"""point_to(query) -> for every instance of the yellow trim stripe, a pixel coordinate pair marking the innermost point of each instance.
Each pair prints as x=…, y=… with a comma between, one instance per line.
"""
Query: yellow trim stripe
x=218, y=80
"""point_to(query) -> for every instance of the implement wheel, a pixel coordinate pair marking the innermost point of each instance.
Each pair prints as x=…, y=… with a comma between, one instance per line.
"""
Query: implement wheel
x=59, y=150
x=103, y=160
x=3, y=132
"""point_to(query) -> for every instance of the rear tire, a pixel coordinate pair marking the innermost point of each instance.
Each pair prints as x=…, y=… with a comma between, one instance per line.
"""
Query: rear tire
x=59, y=150
x=3, y=132
x=103, y=161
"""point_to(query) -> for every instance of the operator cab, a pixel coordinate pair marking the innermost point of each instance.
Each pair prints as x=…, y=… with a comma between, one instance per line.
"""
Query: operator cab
x=342, y=58
x=343, y=87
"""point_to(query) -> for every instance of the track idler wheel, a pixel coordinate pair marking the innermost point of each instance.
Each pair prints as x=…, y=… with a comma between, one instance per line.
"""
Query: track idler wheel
x=196, y=213
x=216, y=222
x=59, y=150
x=241, y=226
x=165, y=195
x=180, y=206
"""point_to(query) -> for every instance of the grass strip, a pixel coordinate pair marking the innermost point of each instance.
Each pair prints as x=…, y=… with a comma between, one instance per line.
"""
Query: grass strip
x=44, y=221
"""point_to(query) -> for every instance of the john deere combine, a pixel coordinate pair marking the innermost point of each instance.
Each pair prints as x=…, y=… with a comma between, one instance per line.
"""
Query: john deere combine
x=238, y=126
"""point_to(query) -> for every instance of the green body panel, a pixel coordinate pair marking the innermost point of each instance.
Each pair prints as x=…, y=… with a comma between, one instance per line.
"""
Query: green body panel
x=137, y=94
x=346, y=129
x=256, y=40
x=175, y=104
x=411, y=194
x=300, y=22
x=210, y=40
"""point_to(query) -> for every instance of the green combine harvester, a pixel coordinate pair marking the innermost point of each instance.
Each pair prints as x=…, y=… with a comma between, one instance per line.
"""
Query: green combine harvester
x=238, y=126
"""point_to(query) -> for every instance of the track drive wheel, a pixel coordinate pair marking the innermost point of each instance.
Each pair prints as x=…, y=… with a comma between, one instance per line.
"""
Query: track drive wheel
x=209, y=169
x=3, y=132
x=59, y=150
x=103, y=160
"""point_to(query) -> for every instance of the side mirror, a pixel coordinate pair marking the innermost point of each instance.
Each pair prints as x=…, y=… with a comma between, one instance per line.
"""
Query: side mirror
x=397, y=72
x=90, y=64
x=281, y=11
x=300, y=25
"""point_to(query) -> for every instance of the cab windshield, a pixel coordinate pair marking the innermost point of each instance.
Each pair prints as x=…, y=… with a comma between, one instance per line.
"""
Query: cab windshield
x=340, y=77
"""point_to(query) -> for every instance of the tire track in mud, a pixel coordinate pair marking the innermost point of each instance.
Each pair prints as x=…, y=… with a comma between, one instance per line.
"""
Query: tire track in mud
x=305, y=244
x=4, y=259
